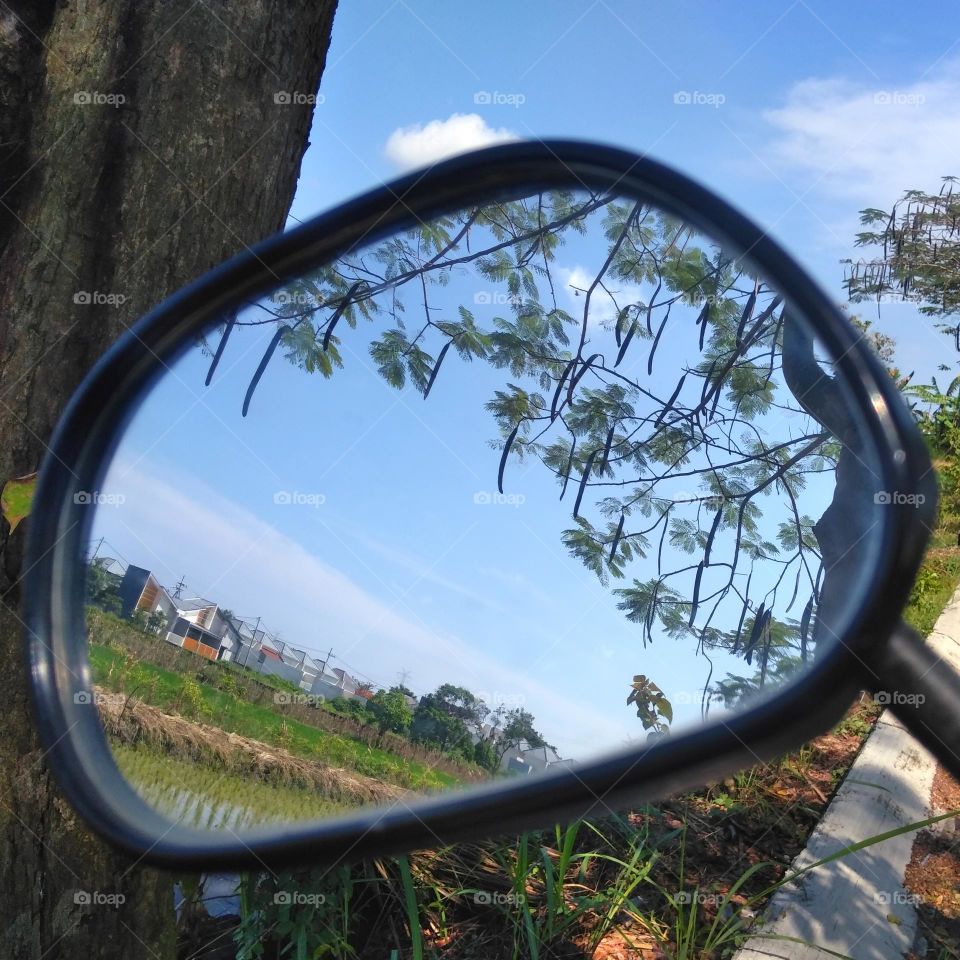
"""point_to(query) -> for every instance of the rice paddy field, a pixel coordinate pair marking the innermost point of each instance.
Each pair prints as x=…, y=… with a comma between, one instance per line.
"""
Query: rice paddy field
x=178, y=694
x=207, y=797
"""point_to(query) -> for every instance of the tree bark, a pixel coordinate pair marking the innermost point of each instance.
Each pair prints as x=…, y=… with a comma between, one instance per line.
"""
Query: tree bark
x=141, y=142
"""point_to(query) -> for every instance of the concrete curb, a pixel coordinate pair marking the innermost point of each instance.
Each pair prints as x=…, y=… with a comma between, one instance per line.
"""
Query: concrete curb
x=857, y=906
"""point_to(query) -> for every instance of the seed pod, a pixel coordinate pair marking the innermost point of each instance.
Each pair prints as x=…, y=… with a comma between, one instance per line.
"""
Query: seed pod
x=668, y=406
x=754, y=633
x=653, y=349
x=617, y=537
x=560, y=383
x=618, y=329
x=566, y=476
x=651, y=613
x=338, y=313
x=705, y=315
x=695, y=601
x=796, y=589
x=712, y=534
x=607, y=445
x=503, y=456
x=436, y=369
x=227, y=330
x=716, y=400
x=743, y=616
x=626, y=342
x=765, y=649
x=706, y=381
x=747, y=314
x=579, y=375
x=583, y=483
x=275, y=340
x=805, y=628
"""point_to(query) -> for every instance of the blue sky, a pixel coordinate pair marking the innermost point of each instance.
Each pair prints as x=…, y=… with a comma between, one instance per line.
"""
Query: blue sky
x=800, y=113
x=828, y=108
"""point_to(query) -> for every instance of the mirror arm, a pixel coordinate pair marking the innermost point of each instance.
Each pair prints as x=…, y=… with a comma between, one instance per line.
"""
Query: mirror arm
x=924, y=692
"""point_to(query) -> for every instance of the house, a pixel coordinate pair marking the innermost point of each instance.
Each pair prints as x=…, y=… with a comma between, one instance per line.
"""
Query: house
x=334, y=684
x=139, y=589
x=525, y=759
x=197, y=627
x=540, y=758
x=200, y=625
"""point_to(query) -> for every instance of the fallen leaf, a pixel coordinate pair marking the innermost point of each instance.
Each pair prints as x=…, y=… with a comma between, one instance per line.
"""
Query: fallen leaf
x=16, y=499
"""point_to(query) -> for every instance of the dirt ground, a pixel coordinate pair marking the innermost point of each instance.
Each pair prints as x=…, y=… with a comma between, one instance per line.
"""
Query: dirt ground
x=933, y=875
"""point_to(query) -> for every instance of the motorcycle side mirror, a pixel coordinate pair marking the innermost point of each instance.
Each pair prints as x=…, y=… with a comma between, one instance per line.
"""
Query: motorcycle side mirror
x=687, y=552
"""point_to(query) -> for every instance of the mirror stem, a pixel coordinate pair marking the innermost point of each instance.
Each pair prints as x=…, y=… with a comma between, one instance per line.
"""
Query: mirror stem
x=924, y=692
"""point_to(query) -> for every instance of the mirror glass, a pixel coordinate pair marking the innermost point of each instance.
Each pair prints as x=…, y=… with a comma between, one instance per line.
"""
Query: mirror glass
x=491, y=496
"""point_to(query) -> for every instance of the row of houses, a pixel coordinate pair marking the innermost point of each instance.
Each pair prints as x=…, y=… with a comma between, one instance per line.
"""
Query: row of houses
x=203, y=627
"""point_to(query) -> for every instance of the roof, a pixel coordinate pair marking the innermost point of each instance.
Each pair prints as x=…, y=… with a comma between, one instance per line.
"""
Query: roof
x=110, y=565
x=193, y=603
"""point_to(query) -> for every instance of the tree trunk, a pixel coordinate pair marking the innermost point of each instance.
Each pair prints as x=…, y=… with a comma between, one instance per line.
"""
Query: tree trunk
x=141, y=142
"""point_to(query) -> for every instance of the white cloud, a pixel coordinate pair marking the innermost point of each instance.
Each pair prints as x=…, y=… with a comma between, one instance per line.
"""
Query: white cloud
x=576, y=280
x=422, y=144
x=869, y=142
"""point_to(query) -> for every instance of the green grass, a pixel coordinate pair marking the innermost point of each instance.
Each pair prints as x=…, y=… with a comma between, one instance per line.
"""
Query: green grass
x=203, y=796
x=164, y=689
x=932, y=590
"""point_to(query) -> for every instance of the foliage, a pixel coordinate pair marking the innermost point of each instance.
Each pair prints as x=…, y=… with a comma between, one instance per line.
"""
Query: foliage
x=653, y=708
x=391, y=711
x=919, y=254
x=447, y=717
x=514, y=730
x=102, y=587
x=579, y=398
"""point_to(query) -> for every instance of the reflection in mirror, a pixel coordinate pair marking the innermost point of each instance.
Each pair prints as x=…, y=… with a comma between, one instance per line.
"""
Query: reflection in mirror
x=516, y=487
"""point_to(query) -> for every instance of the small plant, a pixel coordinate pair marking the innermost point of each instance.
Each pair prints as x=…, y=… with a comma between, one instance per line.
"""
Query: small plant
x=191, y=701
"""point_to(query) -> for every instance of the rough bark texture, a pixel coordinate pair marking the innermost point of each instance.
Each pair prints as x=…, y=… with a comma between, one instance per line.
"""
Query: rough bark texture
x=141, y=142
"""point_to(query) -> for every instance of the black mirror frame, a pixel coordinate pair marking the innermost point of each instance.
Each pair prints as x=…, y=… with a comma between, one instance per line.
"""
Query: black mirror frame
x=53, y=582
